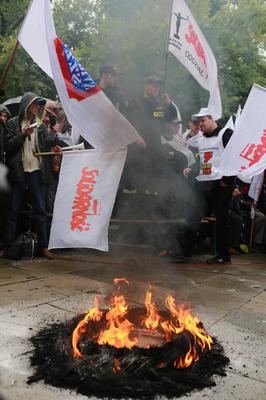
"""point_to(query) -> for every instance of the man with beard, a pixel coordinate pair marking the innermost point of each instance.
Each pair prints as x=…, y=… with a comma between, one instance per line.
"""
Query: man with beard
x=26, y=135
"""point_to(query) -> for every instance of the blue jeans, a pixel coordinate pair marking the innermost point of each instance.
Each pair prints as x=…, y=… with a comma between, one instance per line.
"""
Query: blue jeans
x=37, y=192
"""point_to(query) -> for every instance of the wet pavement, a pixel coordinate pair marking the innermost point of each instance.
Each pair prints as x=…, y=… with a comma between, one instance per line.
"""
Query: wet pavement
x=230, y=300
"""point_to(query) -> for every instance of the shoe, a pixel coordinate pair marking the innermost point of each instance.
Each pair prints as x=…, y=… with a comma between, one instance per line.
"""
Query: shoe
x=218, y=260
x=47, y=254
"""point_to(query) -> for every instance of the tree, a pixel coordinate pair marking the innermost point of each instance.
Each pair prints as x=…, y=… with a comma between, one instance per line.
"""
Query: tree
x=133, y=34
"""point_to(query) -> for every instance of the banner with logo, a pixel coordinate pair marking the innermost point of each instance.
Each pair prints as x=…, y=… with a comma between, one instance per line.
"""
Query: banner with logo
x=188, y=44
x=245, y=153
x=89, y=111
x=85, y=197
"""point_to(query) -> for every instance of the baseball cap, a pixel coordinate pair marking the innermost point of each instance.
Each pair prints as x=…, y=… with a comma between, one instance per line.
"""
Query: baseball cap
x=40, y=100
x=51, y=107
x=194, y=119
x=153, y=79
x=204, y=112
x=175, y=121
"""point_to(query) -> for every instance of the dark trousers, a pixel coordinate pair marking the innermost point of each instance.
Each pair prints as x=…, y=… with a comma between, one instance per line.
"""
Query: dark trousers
x=37, y=192
x=220, y=198
x=236, y=223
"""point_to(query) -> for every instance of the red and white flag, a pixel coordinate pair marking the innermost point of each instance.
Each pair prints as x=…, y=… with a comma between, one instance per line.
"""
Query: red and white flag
x=89, y=111
x=84, y=203
x=245, y=154
x=188, y=44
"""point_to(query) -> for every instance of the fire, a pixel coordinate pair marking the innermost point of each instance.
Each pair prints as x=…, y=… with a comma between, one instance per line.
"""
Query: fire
x=190, y=357
x=117, y=331
x=118, y=327
x=94, y=314
x=117, y=366
x=183, y=320
x=153, y=318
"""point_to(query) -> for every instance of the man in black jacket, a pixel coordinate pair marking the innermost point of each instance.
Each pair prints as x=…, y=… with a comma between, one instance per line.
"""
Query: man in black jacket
x=4, y=116
x=108, y=84
x=153, y=110
x=22, y=140
x=220, y=188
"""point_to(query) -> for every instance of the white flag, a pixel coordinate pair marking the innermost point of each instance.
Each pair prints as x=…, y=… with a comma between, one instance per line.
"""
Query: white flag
x=85, y=197
x=256, y=186
x=89, y=111
x=245, y=154
x=32, y=36
x=188, y=44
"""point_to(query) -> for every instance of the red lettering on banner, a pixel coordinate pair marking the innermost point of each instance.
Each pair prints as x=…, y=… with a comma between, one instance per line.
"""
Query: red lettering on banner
x=254, y=152
x=83, y=204
x=192, y=38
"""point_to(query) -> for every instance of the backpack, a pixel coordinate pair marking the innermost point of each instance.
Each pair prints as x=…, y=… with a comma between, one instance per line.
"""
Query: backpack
x=24, y=247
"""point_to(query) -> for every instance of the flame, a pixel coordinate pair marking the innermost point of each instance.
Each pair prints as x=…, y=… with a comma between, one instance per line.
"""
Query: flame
x=188, y=359
x=94, y=314
x=118, y=328
x=152, y=318
x=117, y=366
x=187, y=322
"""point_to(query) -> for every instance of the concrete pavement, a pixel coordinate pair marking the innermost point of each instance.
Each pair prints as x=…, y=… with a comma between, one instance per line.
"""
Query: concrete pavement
x=230, y=301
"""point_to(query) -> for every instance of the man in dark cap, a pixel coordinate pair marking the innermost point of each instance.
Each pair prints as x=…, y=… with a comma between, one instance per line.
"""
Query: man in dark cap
x=26, y=135
x=154, y=109
x=108, y=83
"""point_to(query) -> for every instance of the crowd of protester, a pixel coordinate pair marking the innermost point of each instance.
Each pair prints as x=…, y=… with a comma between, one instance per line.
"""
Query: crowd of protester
x=164, y=164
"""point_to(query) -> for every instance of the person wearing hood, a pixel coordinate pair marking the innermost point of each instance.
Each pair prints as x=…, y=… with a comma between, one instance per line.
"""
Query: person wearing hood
x=25, y=136
x=4, y=116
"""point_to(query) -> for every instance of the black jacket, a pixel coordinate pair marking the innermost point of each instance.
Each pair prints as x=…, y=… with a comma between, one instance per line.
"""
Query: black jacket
x=149, y=119
x=2, y=134
x=14, y=141
x=2, y=138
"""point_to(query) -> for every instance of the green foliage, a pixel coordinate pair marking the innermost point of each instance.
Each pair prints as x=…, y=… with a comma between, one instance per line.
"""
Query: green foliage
x=132, y=34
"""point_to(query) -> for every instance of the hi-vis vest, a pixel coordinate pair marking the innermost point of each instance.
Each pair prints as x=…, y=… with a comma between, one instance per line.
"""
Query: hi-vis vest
x=210, y=152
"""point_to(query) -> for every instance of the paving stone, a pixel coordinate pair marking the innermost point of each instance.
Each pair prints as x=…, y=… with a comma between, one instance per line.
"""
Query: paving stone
x=10, y=275
x=229, y=300
x=243, y=334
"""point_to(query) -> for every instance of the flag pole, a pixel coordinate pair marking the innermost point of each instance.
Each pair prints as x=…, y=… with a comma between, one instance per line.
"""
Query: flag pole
x=253, y=208
x=8, y=64
x=167, y=44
